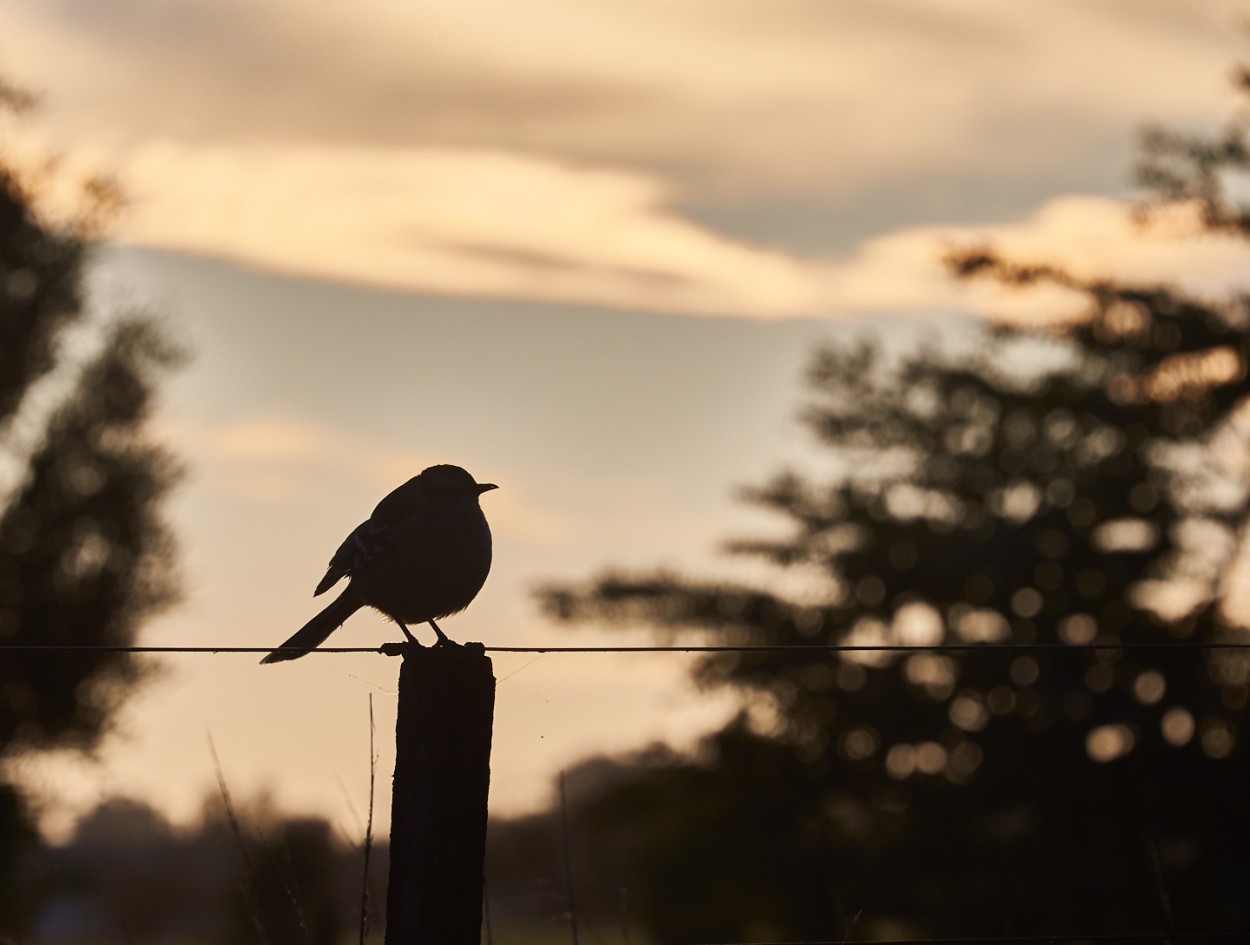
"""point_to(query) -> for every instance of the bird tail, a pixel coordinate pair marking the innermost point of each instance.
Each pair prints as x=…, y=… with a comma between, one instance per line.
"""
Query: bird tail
x=314, y=633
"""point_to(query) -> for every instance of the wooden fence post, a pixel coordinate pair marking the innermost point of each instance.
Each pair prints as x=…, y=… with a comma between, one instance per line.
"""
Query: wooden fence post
x=438, y=813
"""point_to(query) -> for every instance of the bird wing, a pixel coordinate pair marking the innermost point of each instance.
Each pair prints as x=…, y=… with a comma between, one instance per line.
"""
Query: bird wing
x=365, y=543
x=368, y=539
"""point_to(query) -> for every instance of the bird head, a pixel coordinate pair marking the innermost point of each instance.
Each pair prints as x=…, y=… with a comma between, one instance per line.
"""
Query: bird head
x=448, y=480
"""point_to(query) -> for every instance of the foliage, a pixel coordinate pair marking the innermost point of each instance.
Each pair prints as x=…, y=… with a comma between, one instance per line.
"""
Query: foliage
x=1080, y=486
x=127, y=874
x=84, y=555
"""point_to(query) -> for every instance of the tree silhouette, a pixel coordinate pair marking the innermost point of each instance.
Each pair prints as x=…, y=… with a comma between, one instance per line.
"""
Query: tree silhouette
x=126, y=873
x=1076, y=486
x=84, y=555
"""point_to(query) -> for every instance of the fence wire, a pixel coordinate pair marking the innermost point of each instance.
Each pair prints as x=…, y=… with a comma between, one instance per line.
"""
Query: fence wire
x=1119, y=938
x=397, y=648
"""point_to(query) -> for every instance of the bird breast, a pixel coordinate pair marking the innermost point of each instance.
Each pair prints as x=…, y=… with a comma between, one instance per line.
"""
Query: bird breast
x=434, y=564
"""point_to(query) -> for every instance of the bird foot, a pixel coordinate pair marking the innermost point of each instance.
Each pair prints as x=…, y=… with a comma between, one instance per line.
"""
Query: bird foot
x=399, y=647
x=443, y=639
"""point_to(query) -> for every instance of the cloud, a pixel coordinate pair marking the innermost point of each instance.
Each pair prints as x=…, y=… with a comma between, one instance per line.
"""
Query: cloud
x=286, y=461
x=460, y=222
x=1091, y=237
x=740, y=94
x=493, y=224
x=461, y=149
x=490, y=224
x=275, y=460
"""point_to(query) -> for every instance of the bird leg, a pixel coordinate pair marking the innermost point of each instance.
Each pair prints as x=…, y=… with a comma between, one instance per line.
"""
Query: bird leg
x=442, y=637
x=407, y=632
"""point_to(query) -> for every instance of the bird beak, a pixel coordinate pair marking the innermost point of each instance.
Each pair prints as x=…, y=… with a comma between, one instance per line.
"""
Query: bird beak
x=485, y=487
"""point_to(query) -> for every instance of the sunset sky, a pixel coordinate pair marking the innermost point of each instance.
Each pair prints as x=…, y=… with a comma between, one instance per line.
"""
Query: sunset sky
x=581, y=248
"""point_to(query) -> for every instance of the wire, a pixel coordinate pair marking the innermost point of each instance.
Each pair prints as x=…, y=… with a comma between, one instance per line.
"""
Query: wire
x=869, y=647
x=396, y=648
x=106, y=648
x=1123, y=938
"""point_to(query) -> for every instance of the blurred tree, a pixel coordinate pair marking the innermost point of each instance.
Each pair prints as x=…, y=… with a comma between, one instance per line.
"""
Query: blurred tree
x=128, y=875
x=84, y=556
x=526, y=857
x=1073, y=486
x=297, y=886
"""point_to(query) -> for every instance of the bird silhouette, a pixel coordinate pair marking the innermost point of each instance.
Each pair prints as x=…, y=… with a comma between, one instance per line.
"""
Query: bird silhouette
x=423, y=554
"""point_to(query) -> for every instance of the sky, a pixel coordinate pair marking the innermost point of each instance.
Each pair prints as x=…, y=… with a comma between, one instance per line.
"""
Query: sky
x=582, y=248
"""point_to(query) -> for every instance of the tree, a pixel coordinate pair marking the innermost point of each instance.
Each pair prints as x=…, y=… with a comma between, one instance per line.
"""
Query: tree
x=240, y=875
x=1081, y=486
x=84, y=554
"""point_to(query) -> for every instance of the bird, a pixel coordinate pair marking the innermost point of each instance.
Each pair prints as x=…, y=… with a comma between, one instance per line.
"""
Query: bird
x=422, y=555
